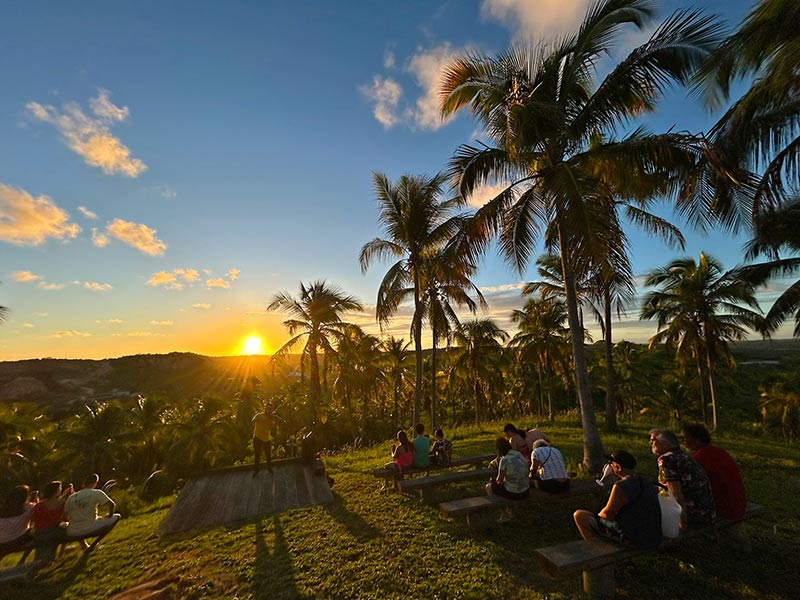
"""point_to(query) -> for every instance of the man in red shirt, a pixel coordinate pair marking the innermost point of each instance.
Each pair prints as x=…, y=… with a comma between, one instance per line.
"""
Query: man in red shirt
x=723, y=472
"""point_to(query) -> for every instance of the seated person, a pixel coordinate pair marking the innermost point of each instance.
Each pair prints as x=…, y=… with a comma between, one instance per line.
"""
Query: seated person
x=727, y=487
x=632, y=513
x=46, y=518
x=534, y=435
x=402, y=455
x=548, y=471
x=422, y=446
x=15, y=518
x=81, y=512
x=685, y=480
x=516, y=437
x=442, y=451
x=511, y=480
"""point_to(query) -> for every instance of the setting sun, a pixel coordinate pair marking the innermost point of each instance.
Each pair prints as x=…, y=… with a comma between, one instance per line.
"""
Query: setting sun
x=253, y=345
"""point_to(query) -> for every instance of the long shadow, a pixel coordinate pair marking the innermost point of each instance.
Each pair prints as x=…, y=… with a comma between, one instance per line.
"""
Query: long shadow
x=354, y=523
x=50, y=583
x=273, y=574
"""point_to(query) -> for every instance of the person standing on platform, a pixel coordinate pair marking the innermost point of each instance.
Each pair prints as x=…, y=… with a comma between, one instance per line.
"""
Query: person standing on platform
x=263, y=423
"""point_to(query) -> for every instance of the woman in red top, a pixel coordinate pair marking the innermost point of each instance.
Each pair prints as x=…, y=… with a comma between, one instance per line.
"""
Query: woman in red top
x=46, y=517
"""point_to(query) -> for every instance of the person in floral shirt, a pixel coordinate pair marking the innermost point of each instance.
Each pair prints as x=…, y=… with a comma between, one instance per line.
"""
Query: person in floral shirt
x=684, y=478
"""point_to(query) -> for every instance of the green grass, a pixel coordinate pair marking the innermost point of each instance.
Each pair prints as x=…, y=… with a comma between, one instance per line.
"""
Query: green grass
x=385, y=545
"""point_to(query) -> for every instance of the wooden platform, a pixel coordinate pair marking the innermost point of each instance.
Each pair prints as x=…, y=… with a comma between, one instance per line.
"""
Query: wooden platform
x=234, y=495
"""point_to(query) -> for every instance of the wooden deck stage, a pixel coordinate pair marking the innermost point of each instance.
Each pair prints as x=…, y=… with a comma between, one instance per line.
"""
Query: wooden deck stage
x=233, y=495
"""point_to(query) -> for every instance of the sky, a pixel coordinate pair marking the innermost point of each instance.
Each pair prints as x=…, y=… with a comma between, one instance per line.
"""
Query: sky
x=166, y=168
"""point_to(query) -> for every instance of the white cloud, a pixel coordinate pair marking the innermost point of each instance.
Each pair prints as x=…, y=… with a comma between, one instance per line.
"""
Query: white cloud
x=233, y=274
x=87, y=213
x=386, y=94
x=484, y=193
x=28, y=221
x=139, y=236
x=51, y=286
x=115, y=321
x=504, y=288
x=67, y=334
x=24, y=276
x=201, y=305
x=427, y=67
x=533, y=21
x=90, y=137
x=97, y=287
x=218, y=283
x=99, y=239
x=388, y=60
x=161, y=323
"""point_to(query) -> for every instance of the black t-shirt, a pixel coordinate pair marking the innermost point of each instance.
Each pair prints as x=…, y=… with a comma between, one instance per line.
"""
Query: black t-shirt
x=640, y=518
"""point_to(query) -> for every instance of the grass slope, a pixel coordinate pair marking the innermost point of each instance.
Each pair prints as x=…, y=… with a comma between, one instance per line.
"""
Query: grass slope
x=384, y=545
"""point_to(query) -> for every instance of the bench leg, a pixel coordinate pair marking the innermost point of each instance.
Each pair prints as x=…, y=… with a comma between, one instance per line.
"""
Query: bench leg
x=599, y=583
x=427, y=495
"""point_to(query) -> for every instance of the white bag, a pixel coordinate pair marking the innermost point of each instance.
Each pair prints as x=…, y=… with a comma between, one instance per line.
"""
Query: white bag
x=670, y=515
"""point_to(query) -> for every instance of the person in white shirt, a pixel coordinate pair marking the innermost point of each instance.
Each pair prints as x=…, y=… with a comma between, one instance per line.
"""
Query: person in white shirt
x=81, y=512
x=548, y=470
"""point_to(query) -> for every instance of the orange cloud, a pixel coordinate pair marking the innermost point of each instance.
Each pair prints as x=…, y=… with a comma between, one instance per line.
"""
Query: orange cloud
x=28, y=221
x=90, y=136
x=24, y=276
x=218, y=283
x=97, y=287
x=201, y=305
x=138, y=236
x=66, y=334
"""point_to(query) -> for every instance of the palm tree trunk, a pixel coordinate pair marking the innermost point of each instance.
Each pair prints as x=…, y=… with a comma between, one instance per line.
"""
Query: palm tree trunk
x=593, y=456
x=315, y=389
x=433, y=378
x=417, y=350
x=611, y=376
x=702, y=385
x=550, y=414
x=712, y=391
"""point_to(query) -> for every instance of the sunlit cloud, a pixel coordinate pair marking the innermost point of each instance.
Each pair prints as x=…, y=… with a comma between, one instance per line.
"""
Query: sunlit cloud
x=40, y=314
x=172, y=279
x=484, y=193
x=26, y=220
x=71, y=334
x=27, y=325
x=87, y=213
x=233, y=274
x=99, y=239
x=115, y=321
x=97, y=287
x=136, y=235
x=90, y=136
x=218, y=283
x=161, y=323
x=533, y=21
x=51, y=286
x=24, y=276
x=428, y=66
x=201, y=305
x=385, y=93
x=140, y=334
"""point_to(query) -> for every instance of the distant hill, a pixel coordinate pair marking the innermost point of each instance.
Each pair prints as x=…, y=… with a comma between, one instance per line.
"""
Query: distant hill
x=60, y=384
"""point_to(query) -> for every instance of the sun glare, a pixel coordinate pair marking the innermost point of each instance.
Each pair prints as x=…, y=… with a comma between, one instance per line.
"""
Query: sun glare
x=253, y=345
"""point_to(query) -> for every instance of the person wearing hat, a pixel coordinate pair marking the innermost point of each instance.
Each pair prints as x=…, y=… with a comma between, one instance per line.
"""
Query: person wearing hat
x=548, y=471
x=632, y=513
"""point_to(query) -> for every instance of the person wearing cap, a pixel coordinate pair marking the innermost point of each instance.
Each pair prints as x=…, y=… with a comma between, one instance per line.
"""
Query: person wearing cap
x=632, y=513
x=685, y=480
x=548, y=471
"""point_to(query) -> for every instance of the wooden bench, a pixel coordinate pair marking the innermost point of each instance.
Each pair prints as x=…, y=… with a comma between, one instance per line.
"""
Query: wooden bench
x=476, y=460
x=426, y=485
x=596, y=557
x=469, y=507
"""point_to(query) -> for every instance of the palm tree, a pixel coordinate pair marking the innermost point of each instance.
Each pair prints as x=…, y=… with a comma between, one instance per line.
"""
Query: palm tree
x=699, y=309
x=417, y=225
x=316, y=314
x=94, y=439
x=544, y=114
x=481, y=348
x=756, y=141
x=446, y=279
x=543, y=335
x=395, y=355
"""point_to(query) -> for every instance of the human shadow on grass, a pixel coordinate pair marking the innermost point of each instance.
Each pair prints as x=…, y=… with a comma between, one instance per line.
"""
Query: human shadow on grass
x=49, y=582
x=354, y=523
x=273, y=573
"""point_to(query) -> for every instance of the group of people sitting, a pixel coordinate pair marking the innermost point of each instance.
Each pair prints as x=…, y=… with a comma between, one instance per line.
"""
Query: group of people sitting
x=705, y=485
x=418, y=453
x=525, y=459
x=59, y=515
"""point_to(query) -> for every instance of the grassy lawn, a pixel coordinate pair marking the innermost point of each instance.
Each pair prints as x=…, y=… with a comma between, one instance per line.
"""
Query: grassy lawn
x=370, y=544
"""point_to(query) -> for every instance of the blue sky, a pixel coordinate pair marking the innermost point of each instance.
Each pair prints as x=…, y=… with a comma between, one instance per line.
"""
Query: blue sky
x=166, y=167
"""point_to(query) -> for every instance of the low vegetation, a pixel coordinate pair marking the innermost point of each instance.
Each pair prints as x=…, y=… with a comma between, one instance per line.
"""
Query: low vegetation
x=369, y=544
